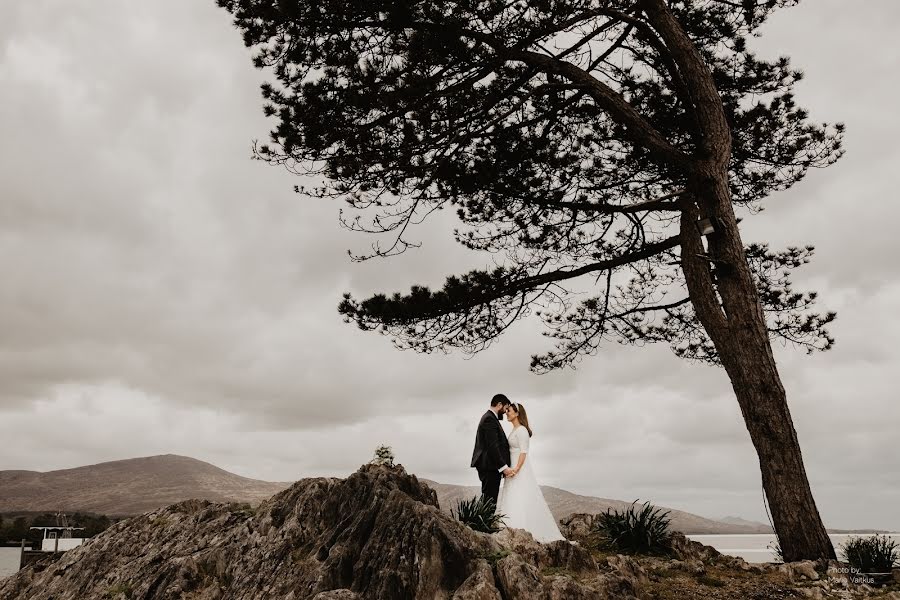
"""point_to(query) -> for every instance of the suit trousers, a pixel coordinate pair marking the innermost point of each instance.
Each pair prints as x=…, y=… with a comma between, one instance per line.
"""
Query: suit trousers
x=490, y=483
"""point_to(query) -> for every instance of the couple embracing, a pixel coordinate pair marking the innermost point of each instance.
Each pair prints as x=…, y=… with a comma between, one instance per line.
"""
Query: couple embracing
x=500, y=458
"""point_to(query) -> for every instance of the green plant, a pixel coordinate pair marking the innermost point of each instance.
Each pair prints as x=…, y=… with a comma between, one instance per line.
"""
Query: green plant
x=479, y=514
x=494, y=557
x=632, y=531
x=384, y=455
x=775, y=547
x=118, y=589
x=241, y=509
x=876, y=554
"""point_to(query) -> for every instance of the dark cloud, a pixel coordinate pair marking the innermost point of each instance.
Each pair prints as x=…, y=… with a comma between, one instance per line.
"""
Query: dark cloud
x=164, y=293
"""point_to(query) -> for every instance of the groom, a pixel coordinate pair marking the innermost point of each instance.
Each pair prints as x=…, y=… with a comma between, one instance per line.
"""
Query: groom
x=491, y=454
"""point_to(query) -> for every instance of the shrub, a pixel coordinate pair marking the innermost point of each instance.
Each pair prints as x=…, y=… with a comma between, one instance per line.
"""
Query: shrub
x=876, y=554
x=384, y=455
x=479, y=514
x=632, y=531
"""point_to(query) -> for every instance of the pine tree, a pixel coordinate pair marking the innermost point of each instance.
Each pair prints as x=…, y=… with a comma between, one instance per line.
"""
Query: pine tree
x=601, y=146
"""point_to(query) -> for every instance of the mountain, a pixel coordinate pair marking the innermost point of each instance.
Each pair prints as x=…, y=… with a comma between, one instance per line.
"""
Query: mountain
x=739, y=521
x=768, y=528
x=139, y=485
x=563, y=504
x=128, y=487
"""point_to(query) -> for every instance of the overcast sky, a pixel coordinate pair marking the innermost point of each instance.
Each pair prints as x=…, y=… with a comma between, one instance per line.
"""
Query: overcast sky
x=163, y=293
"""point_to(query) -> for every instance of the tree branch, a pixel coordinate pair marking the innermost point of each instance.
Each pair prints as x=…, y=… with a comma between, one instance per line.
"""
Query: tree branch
x=647, y=251
x=637, y=128
x=656, y=204
x=709, y=112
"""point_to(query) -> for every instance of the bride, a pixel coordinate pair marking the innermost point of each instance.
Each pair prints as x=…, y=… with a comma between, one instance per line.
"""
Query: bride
x=521, y=500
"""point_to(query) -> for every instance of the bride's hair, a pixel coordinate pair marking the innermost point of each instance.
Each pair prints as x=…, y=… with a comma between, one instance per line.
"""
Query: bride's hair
x=523, y=416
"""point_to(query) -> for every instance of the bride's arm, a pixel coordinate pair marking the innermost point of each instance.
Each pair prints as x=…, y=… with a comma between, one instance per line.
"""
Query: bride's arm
x=523, y=443
x=521, y=462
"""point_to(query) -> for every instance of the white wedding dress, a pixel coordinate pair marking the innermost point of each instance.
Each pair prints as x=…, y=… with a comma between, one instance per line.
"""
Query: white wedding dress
x=521, y=500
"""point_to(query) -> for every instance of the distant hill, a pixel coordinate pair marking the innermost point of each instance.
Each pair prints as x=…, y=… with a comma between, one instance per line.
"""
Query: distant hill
x=563, y=503
x=740, y=521
x=768, y=529
x=137, y=485
x=128, y=487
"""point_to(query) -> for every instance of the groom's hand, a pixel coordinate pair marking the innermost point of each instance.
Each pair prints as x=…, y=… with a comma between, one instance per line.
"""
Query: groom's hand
x=508, y=472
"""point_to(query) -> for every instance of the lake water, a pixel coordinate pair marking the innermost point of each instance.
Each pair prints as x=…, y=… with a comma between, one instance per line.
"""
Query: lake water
x=750, y=547
x=9, y=561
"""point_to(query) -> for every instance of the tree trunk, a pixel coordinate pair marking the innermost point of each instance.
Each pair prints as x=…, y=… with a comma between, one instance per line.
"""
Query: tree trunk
x=727, y=304
x=748, y=360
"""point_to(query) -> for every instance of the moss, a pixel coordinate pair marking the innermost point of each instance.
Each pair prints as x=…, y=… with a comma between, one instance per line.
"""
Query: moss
x=711, y=581
x=601, y=555
x=554, y=571
x=664, y=573
x=241, y=509
x=118, y=589
x=495, y=557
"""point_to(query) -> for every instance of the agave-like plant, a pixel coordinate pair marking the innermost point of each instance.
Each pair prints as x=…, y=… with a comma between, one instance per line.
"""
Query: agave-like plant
x=875, y=554
x=479, y=514
x=633, y=531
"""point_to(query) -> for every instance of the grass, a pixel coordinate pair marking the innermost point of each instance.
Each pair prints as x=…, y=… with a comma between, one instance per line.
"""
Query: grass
x=775, y=547
x=711, y=581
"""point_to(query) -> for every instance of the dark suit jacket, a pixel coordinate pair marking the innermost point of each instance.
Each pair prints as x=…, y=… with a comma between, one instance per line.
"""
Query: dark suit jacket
x=491, y=447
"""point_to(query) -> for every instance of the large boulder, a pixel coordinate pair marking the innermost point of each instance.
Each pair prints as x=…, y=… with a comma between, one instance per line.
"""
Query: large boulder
x=562, y=555
x=577, y=526
x=687, y=549
x=377, y=534
x=479, y=586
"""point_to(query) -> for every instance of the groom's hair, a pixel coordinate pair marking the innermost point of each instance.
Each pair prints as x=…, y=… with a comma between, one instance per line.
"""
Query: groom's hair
x=499, y=399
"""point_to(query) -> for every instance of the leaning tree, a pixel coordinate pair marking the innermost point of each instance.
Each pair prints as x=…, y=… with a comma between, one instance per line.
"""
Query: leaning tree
x=599, y=149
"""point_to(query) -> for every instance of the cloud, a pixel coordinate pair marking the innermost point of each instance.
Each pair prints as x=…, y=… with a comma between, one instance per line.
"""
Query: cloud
x=164, y=293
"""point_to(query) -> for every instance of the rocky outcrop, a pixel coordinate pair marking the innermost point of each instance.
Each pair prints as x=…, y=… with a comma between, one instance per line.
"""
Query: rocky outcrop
x=377, y=535
x=578, y=527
